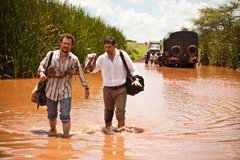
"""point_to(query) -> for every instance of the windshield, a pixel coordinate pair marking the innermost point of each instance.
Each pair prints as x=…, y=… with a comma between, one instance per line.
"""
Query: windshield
x=153, y=46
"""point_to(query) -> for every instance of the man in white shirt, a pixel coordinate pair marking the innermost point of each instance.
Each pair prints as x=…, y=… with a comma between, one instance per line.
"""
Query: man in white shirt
x=114, y=79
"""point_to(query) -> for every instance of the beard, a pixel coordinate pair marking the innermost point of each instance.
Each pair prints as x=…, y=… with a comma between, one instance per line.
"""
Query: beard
x=110, y=53
x=65, y=51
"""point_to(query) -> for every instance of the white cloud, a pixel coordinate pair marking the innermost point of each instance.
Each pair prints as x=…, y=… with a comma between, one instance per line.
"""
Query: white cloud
x=137, y=26
x=142, y=26
x=162, y=5
x=177, y=15
x=105, y=10
x=102, y=6
x=137, y=1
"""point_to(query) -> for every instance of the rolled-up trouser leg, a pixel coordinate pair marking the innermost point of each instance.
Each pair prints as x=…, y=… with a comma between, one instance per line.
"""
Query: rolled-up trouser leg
x=65, y=107
x=108, y=115
x=120, y=101
x=52, y=109
x=108, y=104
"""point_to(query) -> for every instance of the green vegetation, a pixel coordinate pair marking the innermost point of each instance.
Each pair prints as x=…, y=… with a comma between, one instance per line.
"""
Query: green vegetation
x=135, y=51
x=31, y=28
x=219, y=35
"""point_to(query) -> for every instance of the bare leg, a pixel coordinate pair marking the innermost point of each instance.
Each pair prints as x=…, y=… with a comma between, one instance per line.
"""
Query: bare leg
x=66, y=127
x=108, y=124
x=121, y=123
x=53, y=125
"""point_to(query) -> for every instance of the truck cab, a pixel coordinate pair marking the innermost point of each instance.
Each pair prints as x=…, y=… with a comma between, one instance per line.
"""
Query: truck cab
x=156, y=50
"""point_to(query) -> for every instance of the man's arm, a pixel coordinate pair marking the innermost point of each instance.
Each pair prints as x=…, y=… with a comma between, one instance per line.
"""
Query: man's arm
x=42, y=66
x=83, y=80
x=42, y=76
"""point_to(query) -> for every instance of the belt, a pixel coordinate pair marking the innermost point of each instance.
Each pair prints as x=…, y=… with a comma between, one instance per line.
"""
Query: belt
x=116, y=87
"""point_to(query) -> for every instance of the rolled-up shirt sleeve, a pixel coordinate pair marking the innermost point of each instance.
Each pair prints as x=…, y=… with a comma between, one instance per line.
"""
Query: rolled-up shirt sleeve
x=43, y=65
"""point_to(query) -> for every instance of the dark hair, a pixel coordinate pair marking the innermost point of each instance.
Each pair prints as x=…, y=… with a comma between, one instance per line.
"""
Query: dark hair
x=68, y=36
x=109, y=40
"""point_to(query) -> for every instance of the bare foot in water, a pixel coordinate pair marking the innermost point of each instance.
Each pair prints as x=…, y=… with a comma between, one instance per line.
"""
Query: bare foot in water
x=52, y=132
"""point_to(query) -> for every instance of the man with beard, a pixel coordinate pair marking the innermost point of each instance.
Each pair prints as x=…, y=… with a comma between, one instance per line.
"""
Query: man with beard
x=114, y=79
x=59, y=84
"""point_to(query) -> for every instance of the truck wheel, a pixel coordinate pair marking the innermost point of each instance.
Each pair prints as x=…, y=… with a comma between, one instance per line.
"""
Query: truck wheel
x=192, y=50
x=176, y=51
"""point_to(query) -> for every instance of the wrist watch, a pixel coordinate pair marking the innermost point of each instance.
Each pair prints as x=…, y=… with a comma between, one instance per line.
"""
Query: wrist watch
x=136, y=79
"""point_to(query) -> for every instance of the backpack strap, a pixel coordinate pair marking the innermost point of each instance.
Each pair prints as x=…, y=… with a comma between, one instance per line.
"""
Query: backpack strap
x=49, y=63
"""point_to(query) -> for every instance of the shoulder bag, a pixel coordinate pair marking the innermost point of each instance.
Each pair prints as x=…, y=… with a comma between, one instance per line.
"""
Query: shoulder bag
x=38, y=94
x=132, y=89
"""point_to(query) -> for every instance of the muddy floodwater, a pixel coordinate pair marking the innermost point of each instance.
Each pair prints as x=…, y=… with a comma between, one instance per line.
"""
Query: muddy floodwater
x=185, y=113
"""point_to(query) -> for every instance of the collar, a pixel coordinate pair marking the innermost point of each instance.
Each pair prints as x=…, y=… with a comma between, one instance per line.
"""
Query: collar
x=68, y=56
x=117, y=52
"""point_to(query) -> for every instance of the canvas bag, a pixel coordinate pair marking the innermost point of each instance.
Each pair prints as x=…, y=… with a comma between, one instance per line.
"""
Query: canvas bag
x=38, y=94
x=132, y=89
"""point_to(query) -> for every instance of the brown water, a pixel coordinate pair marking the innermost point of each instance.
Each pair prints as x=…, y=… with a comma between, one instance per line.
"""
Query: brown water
x=186, y=114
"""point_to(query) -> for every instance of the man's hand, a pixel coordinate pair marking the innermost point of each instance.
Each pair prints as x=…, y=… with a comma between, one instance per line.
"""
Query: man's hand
x=43, y=77
x=136, y=83
x=87, y=93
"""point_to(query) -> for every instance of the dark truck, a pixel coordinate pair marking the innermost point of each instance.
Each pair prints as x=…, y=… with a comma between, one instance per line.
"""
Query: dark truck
x=180, y=48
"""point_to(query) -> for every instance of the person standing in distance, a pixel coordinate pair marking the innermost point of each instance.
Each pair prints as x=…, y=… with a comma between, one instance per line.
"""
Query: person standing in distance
x=114, y=79
x=59, y=89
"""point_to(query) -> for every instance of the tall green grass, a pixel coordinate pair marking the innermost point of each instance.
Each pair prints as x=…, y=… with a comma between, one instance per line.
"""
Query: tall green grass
x=31, y=28
x=219, y=34
x=222, y=48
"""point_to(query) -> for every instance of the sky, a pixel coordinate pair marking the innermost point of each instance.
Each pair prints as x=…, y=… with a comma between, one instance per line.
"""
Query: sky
x=147, y=20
